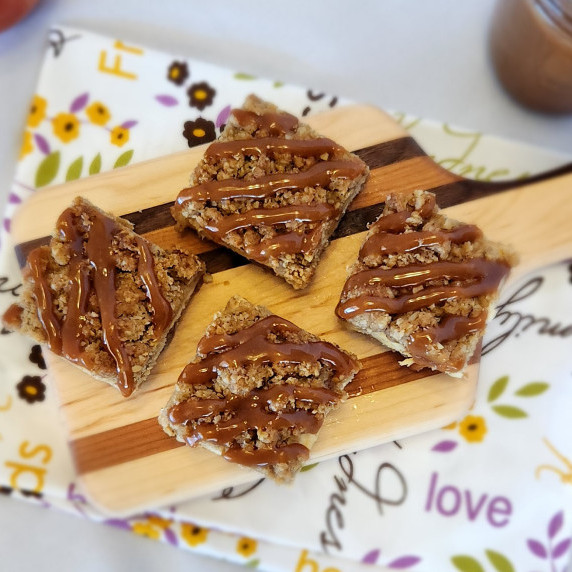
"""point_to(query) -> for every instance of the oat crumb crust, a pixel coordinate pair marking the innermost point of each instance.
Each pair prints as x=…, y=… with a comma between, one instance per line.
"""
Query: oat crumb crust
x=397, y=329
x=242, y=378
x=296, y=268
x=177, y=272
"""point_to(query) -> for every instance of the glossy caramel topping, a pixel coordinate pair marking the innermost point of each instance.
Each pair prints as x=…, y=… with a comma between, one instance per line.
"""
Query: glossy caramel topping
x=162, y=311
x=273, y=146
x=274, y=123
x=264, y=409
x=271, y=456
x=481, y=277
x=98, y=250
x=294, y=242
x=252, y=346
x=451, y=327
x=412, y=287
x=387, y=243
x=13, y=316
x=37, y=264
x=271, y=217
x=320, y=174
x=92, y=270
x=252, y=411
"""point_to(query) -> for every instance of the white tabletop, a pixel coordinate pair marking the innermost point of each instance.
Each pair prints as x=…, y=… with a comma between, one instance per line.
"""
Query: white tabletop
x=429, y=59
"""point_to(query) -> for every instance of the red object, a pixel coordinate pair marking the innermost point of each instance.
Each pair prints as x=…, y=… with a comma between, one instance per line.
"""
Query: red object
x=12, y=11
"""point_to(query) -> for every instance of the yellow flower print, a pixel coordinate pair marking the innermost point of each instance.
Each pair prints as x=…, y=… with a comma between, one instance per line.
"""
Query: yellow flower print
x=473, y=428
x=193, y=534
x=146, y=529
x=37, y=111
x=162, y=523
x=66, y=126
x=98, y=113
x=27, y=145
x=246, y=546
x=119, y=136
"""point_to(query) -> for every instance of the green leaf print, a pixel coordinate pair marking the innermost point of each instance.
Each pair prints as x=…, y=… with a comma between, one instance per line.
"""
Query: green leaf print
x=278, y=84
x=244, y=76
x=123, y=159
x=48, y=169
x=308, y=467
x=532, y=389
x=497, y=388
x=466, y=564
x=74, y=170
x=510, y=411
x=95, y=166
x=500, y=562
x=252, y=563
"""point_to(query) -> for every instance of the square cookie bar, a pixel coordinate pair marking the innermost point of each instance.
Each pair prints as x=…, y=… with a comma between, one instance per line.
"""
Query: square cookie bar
x=271, y=189
x=258, y=390
x=102, y=296
x=424, y=284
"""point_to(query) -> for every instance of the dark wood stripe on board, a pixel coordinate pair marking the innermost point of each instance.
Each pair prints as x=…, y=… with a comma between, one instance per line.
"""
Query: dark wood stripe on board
x=146, y=438
x=400, y=165
x=157, y=217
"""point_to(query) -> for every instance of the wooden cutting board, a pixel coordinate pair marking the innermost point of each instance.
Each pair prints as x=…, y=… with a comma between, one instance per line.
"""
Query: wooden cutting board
x=122, y=456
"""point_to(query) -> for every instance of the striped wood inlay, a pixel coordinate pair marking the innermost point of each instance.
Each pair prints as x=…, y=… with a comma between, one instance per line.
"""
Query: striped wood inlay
x=115, y=440
x=145, y=438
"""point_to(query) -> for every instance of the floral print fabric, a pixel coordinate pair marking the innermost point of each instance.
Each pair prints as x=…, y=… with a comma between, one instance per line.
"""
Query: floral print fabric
x=491, y=491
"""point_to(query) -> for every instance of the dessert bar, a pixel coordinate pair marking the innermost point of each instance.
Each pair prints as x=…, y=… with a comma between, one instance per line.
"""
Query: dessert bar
x=424, y=284
x=271, y=189
x=258, y=390
x=102, y=296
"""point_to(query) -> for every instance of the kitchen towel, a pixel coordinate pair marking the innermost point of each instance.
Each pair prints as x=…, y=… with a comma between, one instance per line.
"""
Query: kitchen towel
x=492, y=491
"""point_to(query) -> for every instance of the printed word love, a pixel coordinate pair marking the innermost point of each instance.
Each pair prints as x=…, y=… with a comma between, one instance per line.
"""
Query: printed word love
x=385, y=476
x=448, y=500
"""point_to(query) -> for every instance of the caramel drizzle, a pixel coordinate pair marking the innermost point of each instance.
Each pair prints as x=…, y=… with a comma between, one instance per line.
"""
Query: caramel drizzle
x=93, y=272
x=474, y=277
x=294, y=241
x=37, y=266
x=273, y=146
x=388, y=243
x=320, y=174
x=450, y=328
x=13, y=316
x=271, y=217
x=274, y=123
x=248, y=347
x=484, y=276
x=162, y=311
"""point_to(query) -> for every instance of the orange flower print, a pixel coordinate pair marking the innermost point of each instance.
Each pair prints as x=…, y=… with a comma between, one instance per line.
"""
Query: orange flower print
x=146, y=529
x=473, y=428
x=66, y=127
x=27, y=145
x=119, y=136
x=37, y=111
x=98, y=113
x=246, y=546
x=192, y=534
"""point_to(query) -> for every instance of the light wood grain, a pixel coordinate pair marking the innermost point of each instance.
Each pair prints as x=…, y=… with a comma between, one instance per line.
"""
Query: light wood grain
x=157, y=181
x=534, y=219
